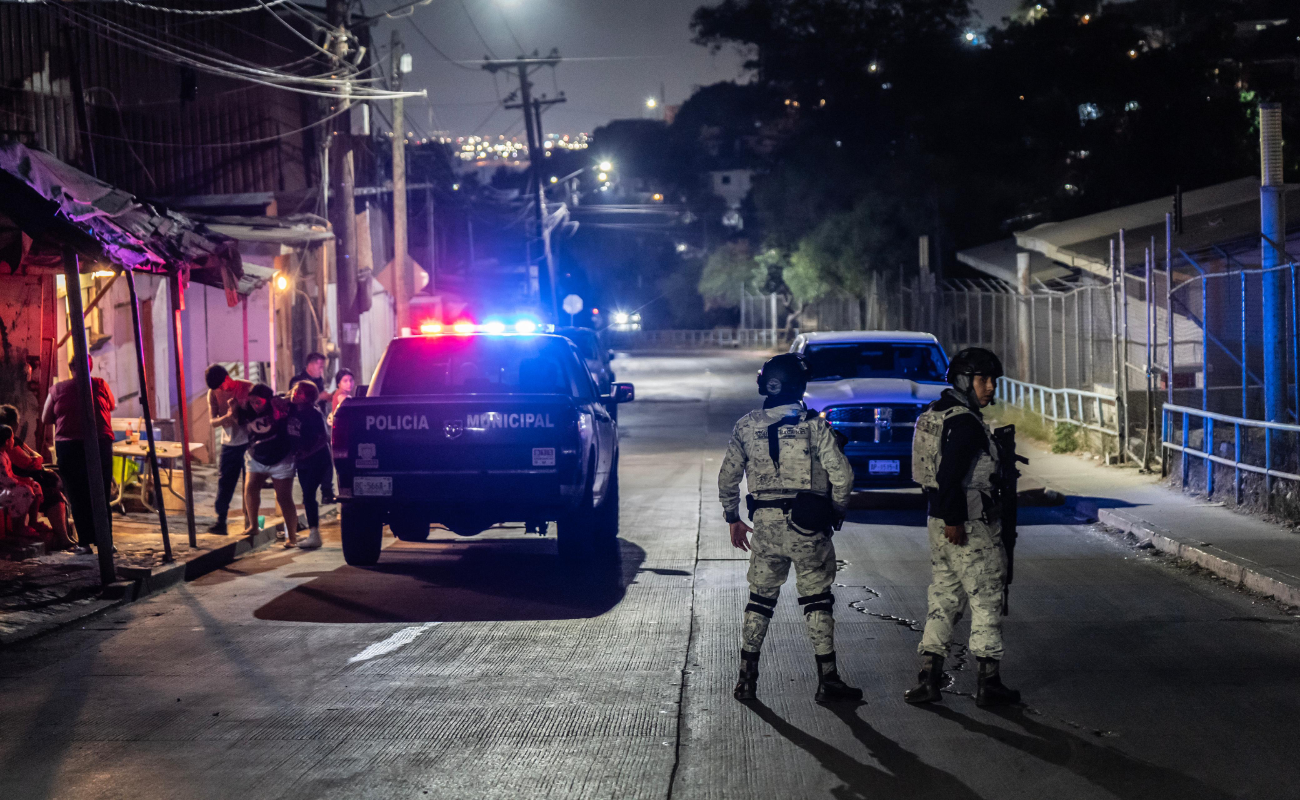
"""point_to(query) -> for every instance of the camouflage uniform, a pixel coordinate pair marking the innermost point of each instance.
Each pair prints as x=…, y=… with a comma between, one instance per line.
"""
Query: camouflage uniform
x=967, y=574
x=808, y=459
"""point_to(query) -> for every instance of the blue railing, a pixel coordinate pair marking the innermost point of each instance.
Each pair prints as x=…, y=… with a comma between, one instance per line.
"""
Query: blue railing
x=1237, y=463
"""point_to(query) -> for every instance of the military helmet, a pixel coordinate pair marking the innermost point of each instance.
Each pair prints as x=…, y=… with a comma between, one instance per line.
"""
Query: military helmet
x=974, y=361
x=786, y=374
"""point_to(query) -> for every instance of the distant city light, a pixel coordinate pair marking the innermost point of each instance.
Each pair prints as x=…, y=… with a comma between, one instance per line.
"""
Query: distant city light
x=873, y=67
x=970, y=37
x=1132, y=54
x=650, y=102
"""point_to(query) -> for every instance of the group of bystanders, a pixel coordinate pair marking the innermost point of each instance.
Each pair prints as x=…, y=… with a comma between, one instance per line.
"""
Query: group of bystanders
x=270, y=438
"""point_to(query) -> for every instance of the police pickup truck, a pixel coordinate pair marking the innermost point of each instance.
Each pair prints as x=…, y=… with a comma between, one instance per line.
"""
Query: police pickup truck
x=871, y=386
x=472, y=429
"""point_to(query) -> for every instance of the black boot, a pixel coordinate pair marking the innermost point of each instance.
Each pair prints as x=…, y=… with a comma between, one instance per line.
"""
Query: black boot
x=930, y=679
x=747, y=684
x=830, y=686
x=218, y=527
x=990, y=691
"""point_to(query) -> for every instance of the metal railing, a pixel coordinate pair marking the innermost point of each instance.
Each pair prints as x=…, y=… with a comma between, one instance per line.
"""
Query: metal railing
x=720, y=337
x=1090, y=410
x=1206, y=451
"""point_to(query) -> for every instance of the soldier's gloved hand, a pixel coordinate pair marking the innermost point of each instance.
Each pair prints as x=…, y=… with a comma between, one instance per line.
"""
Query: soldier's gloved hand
x=955, y=533
x=740, y=535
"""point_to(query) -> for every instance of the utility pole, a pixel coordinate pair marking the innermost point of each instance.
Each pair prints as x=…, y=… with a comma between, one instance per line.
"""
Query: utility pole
x=532, y=110
x=346, y=263
x=401, y=275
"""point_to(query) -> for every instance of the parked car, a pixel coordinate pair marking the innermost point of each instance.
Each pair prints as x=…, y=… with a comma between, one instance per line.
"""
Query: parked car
x=470, y=430
x=871, y=386
x=594, y=353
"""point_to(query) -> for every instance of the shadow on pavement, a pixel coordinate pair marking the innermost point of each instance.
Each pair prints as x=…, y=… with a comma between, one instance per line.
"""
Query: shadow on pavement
x=1120, y=774
x=901, y=773
x=486, y=581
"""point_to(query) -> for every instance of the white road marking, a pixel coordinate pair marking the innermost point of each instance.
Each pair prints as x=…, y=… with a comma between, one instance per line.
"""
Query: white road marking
x=400, y=639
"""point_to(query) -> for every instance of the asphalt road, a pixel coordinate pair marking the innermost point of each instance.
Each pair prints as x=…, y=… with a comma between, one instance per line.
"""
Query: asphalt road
x=482, y=668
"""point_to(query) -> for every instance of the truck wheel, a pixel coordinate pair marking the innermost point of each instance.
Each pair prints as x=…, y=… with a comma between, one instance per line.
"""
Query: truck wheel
x=409, y=527
x=363, y=534
x=607, y=514
x=575, y=531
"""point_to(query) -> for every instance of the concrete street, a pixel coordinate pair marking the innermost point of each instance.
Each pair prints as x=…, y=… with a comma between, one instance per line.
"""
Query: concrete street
x=482, y=668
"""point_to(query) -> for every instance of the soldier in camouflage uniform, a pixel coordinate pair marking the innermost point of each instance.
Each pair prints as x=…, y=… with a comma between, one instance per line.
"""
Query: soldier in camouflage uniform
x=955, y=460
x=785, y=449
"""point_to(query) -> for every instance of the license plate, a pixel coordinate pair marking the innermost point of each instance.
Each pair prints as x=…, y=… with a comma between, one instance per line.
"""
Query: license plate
x=543, y=456
x=883, y=467
x=372, y=487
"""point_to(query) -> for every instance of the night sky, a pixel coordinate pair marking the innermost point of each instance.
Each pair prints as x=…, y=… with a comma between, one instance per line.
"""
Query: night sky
x=617, y=53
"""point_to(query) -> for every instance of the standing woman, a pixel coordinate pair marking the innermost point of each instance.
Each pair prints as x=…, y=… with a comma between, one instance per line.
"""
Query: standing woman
x=269, y=457
x=63, y=411
x=345, y=386
x=312, y=454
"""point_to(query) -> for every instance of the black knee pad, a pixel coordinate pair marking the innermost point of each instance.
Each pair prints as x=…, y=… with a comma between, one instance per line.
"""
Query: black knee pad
x=761, y=605
x=818, y=602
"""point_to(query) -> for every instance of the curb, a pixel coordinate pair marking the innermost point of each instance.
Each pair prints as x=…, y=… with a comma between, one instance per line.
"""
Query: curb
x=136, y=583
x=1234, y=569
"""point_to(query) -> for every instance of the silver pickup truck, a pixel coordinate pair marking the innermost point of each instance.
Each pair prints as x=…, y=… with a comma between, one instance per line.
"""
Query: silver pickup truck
x=871, y=386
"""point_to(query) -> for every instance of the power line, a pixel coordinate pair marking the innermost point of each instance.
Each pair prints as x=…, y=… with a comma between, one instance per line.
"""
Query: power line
x=438, y=49
x=247, y=143
x=331, y=87
x=198, y=13
x=510, y=30
x=474, y=25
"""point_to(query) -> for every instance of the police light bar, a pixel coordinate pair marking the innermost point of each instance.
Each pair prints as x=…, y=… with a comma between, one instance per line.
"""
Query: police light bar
x=495, y=327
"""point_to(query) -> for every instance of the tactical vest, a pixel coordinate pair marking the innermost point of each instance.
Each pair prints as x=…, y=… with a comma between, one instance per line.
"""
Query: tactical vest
x=927, y=453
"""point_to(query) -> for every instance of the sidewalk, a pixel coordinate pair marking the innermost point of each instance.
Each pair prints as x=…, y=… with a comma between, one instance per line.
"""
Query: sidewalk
x=45, y=592
x=1257, y=555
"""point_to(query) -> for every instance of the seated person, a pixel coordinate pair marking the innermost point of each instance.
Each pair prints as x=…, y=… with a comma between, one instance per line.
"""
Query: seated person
x=28, y=464
x=19, y=497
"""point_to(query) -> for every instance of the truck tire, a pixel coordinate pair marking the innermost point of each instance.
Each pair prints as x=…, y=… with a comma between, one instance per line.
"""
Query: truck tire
x=575, y=531
x=606, y=529
x=363, y=534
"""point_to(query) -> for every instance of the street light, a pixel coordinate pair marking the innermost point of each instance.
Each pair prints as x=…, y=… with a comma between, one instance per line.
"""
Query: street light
x=650, y=102
x=606, y=166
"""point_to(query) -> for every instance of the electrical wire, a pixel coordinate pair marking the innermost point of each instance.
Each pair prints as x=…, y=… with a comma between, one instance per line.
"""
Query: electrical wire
x=474, y=25
x=199, y=13
x=333, y=87
x=248, y=143
x=509, y=30
x=438, y=49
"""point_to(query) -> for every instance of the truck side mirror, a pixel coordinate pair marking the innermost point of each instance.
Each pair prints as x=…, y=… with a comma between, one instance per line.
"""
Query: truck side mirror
x=624, y=393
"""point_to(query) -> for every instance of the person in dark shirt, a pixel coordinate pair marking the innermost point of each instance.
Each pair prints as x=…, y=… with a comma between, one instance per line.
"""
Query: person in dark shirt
x=955, y=460
x=314, y=371
x=270, y=456
x=312, y=455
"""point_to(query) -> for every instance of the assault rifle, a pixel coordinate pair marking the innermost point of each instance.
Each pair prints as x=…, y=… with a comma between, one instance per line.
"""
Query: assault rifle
x=1008, y=476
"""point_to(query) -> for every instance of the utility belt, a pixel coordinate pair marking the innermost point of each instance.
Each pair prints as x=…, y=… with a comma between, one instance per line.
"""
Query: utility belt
x=991, y=505
x=809, y=513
